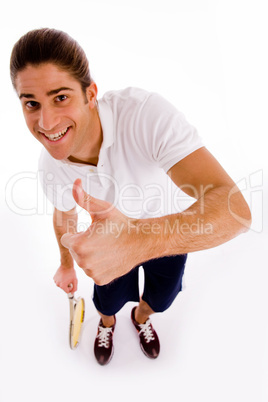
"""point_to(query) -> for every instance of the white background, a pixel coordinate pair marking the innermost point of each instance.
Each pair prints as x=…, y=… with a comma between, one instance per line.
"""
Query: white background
x=209, y=58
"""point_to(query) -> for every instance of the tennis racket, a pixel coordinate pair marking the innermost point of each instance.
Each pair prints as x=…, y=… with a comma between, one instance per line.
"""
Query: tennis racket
x=77, y=313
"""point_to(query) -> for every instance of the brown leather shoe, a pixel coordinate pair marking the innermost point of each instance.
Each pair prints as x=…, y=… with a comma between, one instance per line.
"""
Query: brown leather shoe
x=149, y=341
x=103, y=346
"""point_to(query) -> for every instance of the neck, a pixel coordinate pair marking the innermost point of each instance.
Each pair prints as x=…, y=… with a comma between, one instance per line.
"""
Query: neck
x=90, y=161
x=89, y=151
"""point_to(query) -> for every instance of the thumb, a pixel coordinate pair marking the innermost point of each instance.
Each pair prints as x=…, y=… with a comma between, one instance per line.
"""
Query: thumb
x=96, y=208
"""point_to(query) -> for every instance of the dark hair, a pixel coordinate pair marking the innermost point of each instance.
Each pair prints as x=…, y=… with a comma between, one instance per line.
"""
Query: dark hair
x=54, y=46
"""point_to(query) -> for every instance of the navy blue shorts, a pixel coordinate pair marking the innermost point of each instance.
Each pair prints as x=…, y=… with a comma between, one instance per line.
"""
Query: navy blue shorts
x=162, y=283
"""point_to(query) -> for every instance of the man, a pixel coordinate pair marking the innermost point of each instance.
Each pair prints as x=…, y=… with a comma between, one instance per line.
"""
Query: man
x=132, y=152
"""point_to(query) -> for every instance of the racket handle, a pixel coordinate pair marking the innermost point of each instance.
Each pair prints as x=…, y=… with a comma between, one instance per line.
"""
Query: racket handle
x=70, y=294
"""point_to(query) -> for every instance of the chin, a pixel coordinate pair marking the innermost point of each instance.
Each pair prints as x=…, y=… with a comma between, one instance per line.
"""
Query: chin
x=57, y=155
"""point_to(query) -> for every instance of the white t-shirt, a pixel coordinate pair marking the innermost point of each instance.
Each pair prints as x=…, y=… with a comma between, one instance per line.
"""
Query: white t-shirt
x=143, y=137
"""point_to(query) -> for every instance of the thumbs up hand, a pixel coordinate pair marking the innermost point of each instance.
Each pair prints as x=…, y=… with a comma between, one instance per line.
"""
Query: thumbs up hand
x=111, y=246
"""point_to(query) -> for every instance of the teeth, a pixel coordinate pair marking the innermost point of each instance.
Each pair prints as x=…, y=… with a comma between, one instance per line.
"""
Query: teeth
x=57, y=136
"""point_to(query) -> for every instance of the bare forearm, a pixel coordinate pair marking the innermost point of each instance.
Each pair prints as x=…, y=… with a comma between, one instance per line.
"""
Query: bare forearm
x=114, y=243
x=64, y=222
x=218, y=216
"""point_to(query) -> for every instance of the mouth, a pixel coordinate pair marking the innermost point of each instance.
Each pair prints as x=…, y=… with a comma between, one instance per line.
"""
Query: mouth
x=57, y=136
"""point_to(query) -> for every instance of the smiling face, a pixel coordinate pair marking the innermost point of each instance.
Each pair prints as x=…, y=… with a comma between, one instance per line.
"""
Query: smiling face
x=59, y=114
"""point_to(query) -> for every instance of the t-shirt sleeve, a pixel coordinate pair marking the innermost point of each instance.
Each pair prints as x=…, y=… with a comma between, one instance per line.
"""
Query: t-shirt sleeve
x=55, y=182
x=165, y=135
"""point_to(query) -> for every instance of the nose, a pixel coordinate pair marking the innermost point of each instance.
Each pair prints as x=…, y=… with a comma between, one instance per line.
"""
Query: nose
x=48, y=119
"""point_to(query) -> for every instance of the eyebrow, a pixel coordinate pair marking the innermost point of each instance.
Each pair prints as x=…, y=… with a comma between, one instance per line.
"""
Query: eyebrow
x=49, y=93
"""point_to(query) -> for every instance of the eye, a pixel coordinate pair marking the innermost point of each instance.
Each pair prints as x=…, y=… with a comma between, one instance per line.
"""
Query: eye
x=32, y=105
x=61, y=98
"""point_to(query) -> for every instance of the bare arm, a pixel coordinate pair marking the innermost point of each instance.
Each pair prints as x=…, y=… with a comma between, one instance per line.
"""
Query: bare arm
x=213, y=219
x=219, y=214
x=65, y=222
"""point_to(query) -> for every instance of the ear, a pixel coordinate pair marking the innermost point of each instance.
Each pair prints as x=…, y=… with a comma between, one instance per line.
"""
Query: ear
x=91, y=95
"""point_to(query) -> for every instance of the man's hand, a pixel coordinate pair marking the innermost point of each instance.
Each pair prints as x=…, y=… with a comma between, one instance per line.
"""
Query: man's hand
x=64, y=277
x=114, y=244
x=109, y=248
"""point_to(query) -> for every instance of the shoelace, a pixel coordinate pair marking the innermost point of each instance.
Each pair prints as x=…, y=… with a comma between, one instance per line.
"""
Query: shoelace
x=104, y=336
x=146, y=329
